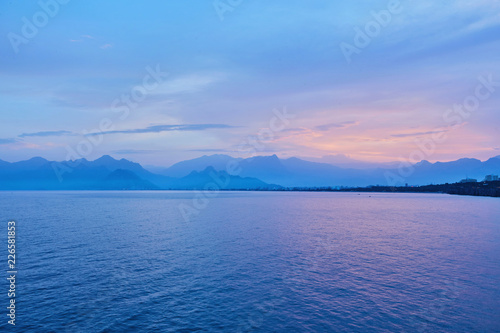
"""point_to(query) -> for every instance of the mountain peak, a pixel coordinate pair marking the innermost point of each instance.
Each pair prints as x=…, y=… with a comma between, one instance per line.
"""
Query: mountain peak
x=209, y=169
x=33, y=162
x=423, y=163
x=204, y=172
x=273, y=157
x=37, y=159
x=105, y=158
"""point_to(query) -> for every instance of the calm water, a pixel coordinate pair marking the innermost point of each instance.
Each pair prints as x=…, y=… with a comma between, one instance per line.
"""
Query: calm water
x=250, y=261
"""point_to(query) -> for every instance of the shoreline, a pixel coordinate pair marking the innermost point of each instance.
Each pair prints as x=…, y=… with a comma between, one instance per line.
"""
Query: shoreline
x=483, y=189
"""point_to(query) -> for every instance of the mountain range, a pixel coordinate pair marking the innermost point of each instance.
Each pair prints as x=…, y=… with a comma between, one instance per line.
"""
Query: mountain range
x=229, y=173
x=107, y=173
x=296, y=172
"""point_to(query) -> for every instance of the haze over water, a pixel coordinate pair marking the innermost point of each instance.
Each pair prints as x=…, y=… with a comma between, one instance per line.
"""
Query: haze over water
x=255, y=261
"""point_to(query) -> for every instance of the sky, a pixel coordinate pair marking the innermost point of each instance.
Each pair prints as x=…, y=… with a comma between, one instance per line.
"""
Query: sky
x=163, y=81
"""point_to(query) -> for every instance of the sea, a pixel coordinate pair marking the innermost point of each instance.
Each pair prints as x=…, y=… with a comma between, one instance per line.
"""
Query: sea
x=135, y=261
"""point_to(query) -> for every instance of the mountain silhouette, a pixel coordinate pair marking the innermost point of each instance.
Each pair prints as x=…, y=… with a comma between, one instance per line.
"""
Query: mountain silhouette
x=213, y=179
x=258, y=172
x=126, y=180
x=107, y=173
x=293, y=172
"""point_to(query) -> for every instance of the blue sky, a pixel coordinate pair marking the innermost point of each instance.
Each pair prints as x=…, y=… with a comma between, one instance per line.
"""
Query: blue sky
x=222, y=78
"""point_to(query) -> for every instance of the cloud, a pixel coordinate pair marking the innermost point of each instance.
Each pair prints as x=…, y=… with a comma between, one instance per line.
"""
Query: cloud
x=81, y=40
x=291, y=59
x=344, y=124
x=134, y=151
x=405, y=135
x=46, y=133
x=213, y=150
x=297, y=129
x=106, y=46
x=7, y=141
x=166, y=128
x=188, y=83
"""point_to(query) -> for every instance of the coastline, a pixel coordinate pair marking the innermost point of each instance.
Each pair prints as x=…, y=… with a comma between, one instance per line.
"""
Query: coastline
x=484, y=189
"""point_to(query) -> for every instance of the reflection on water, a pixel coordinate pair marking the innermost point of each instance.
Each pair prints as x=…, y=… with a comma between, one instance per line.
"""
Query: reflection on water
x=256, y=261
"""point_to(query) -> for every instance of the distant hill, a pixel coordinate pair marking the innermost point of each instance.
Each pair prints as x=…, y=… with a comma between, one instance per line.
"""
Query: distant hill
x=211, y=178
x=486, y=189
